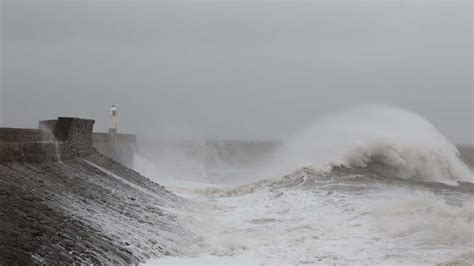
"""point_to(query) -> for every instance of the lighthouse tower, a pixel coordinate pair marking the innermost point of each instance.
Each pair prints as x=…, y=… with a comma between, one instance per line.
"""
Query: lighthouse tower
x=113, y=120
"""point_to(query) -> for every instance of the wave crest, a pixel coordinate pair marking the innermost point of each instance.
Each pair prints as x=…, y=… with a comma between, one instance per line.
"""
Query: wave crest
x=405, y=143
x=427, y=164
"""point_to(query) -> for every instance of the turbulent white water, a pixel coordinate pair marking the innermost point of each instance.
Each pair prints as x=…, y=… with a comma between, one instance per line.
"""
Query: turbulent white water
x=376, y=185
x=401, y=139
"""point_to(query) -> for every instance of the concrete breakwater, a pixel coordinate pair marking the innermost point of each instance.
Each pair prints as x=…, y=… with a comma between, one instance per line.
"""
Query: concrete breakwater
x=65, y=203
x=63, y=139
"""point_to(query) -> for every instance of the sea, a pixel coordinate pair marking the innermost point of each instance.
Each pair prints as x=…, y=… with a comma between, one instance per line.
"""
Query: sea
x=375, y=185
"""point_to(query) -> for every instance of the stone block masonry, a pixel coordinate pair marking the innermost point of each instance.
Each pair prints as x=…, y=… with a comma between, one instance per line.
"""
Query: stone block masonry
x=63, y=139
x=67, y=129
x=55, y=140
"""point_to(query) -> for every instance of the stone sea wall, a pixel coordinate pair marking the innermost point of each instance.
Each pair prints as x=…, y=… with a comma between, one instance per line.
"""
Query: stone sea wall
x=64, y=203
x=63, y=139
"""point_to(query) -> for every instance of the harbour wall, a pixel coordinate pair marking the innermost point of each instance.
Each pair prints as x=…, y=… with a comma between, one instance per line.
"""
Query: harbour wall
x=64, y=138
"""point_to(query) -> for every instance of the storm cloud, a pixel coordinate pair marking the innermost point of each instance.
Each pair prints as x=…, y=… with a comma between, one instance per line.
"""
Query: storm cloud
x=235, y=70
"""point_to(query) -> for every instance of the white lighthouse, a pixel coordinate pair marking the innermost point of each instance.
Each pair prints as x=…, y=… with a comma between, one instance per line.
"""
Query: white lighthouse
x=113, y=120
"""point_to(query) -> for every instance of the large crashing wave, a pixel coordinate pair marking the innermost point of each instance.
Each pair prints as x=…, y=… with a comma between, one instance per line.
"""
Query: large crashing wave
x=404, y=142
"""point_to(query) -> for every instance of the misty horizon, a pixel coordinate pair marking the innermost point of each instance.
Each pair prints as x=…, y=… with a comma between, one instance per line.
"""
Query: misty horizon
x=248, y=71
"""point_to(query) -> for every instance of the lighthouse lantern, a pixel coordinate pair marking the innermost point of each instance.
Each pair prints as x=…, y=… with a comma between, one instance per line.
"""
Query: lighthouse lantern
x=113, y=120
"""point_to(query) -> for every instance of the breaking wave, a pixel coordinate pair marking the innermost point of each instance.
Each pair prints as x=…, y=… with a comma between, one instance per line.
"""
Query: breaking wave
x=374, y=141
x=375, y=185
x=404, y=142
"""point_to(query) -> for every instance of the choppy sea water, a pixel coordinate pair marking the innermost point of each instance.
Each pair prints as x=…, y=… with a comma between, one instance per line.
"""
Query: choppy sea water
x=342, y=221
x=389, y=197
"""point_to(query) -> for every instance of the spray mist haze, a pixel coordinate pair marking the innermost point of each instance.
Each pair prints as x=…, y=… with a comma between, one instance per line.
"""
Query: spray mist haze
x=232, y=71
x=240, y=133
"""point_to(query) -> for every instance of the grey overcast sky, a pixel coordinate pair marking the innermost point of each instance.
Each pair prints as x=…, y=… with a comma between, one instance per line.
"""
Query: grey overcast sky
x=235, y=70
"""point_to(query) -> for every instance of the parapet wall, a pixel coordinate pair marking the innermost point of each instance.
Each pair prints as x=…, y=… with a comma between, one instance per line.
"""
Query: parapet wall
x=19, y=135
x=56, y=140
x=63, y=139
x=67, y=129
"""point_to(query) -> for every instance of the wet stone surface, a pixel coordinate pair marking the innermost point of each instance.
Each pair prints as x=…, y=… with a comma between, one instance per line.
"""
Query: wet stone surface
x=75, y=212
